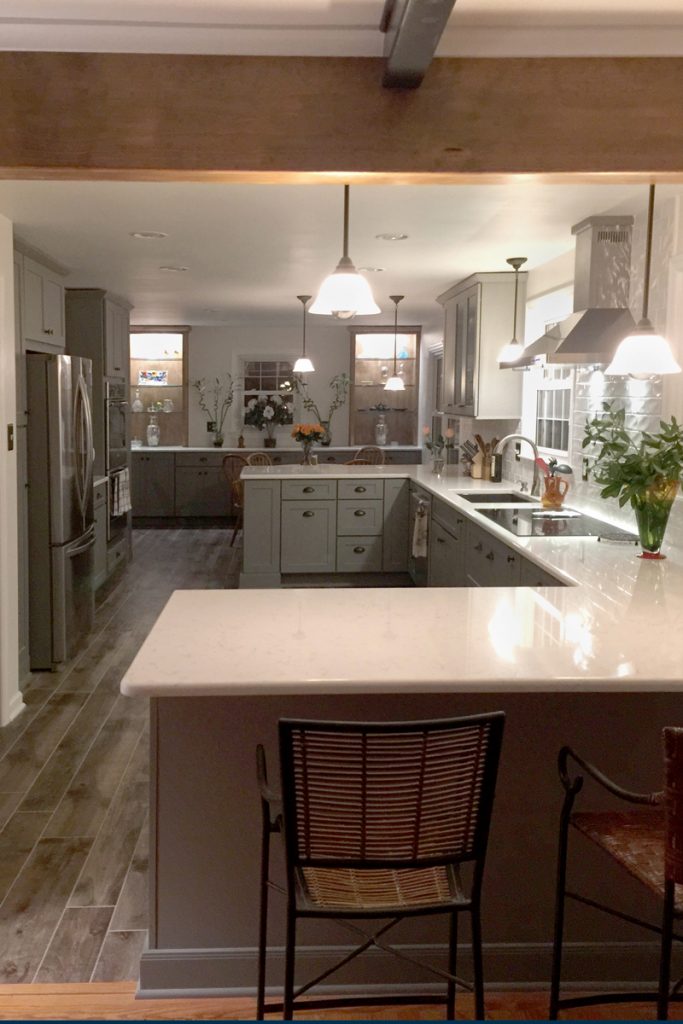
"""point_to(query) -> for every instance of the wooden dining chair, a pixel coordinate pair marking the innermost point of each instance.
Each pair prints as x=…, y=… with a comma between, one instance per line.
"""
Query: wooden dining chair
x=260, y=459
x=358, y=462
x=384, y=821
x=232, y=467
x=373, y=454
x=646, y=842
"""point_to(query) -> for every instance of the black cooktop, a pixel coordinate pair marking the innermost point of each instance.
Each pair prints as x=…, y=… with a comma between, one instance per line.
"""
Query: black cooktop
x=536, y=522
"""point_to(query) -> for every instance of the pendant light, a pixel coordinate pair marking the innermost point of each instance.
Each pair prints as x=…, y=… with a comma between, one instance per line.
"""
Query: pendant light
x=395, y=382
x=345, y=292
x=303, y=363
x=643, y=352
x=514, y=348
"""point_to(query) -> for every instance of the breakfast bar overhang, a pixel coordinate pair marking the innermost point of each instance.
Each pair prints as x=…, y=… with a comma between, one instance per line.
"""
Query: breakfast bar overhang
x=597, y=665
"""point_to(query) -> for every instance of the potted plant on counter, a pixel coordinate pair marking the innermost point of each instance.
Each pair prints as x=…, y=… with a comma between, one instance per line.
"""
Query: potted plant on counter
x=340, y=390
x=308, y=434
x=215, y=399
x=437, y=445
x=644, y=470
x=266, y=414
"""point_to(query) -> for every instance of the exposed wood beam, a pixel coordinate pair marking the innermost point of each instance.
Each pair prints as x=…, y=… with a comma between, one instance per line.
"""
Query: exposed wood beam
x=155, y=116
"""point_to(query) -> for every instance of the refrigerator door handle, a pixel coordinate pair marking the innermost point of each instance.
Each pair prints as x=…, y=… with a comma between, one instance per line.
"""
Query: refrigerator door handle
x=80, y=548
x=90, y=439
x=83, y=444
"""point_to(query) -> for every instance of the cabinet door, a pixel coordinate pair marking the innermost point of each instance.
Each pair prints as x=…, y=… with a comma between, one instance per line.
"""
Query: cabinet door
x=395, y=533
x=152, y=484
x=309, y=536
x=489, y=562
x=201, y=492
x=100, y=551
x=42, y=306
x=116, y=328
x=446, y=558
x=261, y=534
x=471, y=302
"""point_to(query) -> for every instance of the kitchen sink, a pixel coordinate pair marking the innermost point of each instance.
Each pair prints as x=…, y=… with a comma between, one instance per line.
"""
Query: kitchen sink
x=496, y=497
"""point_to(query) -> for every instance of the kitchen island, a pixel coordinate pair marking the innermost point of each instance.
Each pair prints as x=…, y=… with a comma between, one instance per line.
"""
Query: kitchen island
x=596, y=663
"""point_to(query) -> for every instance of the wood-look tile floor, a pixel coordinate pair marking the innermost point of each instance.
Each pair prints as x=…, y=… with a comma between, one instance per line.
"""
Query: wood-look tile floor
x=74, y=781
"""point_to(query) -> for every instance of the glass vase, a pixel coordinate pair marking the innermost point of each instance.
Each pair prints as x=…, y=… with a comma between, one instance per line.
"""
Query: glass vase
x=308, y=454
x=327, y=439
x=652, y=508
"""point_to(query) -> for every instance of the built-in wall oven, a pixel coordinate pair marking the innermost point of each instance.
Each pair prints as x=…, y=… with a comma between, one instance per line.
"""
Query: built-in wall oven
x=116, y=454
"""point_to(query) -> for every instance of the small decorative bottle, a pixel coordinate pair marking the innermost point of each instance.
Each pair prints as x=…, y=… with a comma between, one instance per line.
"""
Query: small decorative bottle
x=137, y=405
x=381, y=430
x=153, y=432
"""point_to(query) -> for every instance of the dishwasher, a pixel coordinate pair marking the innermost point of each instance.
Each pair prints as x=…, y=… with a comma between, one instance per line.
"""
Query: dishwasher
x=420, y=513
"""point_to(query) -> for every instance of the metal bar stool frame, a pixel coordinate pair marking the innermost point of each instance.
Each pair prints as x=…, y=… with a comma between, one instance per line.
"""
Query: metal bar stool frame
x=476, y=742
x=671, y=798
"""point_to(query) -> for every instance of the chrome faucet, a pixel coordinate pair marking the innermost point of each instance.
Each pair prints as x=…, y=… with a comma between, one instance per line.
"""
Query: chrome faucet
x=498, y=452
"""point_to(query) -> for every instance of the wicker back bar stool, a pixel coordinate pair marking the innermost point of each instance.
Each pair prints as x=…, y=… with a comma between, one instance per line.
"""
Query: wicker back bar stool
x=371, y=453
x=647, y=843
x=232, y=467
x=383, y=821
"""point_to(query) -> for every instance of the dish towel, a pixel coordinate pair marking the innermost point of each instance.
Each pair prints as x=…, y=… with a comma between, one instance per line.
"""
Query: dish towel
x=120, y=493
x=420, y=528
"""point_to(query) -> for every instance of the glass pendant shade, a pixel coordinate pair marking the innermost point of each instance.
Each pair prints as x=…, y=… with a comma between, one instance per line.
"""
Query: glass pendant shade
x=514, y=349
x=345, y=292
x=643, y=352
x=395, y=382
x=303, y=363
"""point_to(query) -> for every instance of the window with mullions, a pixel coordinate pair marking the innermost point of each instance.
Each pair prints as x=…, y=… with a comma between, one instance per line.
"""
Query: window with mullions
x=553, y=409
x=264, y=378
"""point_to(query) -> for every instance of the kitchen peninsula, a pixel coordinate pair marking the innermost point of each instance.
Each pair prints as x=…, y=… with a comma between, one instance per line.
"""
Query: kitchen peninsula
x=595, y=663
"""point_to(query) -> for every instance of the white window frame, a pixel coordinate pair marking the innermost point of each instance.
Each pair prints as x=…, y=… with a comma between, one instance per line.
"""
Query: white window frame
x=248, y=394
x=553, y=379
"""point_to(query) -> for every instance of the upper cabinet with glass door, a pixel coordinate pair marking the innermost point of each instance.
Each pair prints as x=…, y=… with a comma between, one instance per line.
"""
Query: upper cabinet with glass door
x=378, y=416
x=158, y=383
x=478, y=314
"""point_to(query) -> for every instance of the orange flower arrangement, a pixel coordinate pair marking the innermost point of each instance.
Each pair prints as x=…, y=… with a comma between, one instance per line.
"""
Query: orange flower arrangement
x=308, y=433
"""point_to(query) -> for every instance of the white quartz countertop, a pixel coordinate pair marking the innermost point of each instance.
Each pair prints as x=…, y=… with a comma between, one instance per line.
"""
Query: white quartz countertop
x=615, y=627
x=320, y=451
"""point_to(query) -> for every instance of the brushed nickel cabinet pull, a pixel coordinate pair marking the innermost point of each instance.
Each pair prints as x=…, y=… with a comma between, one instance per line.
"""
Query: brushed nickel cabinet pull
x=48, y=330
x=359, y=512
x=359, y=550
x=511, y=558
x=360, y=490
x=490, y=556
x=479, y=546
x=307, y=515
x=309, y=490
x=440, y=540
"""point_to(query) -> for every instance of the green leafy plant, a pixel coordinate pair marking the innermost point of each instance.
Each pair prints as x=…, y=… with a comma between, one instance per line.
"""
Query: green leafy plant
x=340, y=390
x=627, y=468
x=215, y=398
x=267, y=413
x=437, y=443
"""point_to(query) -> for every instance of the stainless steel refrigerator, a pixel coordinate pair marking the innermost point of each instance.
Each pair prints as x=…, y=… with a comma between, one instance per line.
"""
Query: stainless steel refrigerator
x=60, y=506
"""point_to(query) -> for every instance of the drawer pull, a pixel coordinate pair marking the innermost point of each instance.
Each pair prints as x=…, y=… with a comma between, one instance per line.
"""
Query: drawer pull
x=479, y=546
x=440, y=540
x=359, y=512
x=511, y=558
x=360, y=490
x=309, y=490
x=308, y=515
x=490, y=556
x=48, y=330
x=359, y=550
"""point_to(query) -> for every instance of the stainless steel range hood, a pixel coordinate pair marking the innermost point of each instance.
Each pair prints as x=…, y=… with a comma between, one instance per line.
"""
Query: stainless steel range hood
x=601, y=317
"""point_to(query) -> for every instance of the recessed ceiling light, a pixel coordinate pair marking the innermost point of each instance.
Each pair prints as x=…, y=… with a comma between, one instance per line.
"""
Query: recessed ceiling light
x=174, y=270
x=371, y=270
x=148, y=235
x=389, y=236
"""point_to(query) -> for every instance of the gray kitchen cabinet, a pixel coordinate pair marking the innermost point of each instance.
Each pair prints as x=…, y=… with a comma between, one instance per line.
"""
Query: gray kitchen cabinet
x=201, y=491
x=477, y=322
x=101, y=511
x=42, y=307
x=396, y=531
x=308, y=535
x=447, y=541
x=116, y=338
x=359, y=554
x=261, y=534
x=357, y=518
x=153, y=484
x=531, y=575
x=488, y=561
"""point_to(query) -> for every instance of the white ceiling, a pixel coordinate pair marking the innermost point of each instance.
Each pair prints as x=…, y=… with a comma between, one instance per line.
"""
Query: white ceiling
x=340, y=27
x=251, y=249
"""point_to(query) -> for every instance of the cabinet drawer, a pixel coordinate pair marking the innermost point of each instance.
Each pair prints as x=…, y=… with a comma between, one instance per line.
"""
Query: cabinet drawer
x=117, y=555
x=363, y=489
x=450, y=518
x=100, y=495
x=359, y=554
x=200, y=460
x=360, y=518
x=445, y=558
x=315, y=490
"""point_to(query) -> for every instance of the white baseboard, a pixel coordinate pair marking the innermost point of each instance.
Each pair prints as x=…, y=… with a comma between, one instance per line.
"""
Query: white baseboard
x=14, y=707
x=193, y=973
